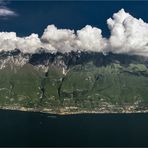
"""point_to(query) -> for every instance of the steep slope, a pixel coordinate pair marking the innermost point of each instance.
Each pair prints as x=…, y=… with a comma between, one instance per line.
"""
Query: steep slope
x=73, y=82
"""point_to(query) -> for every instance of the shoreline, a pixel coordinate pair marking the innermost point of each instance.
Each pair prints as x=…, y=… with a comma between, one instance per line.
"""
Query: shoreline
x=48, y=111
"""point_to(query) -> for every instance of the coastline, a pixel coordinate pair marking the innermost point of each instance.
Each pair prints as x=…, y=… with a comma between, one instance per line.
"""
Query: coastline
x=64, y=112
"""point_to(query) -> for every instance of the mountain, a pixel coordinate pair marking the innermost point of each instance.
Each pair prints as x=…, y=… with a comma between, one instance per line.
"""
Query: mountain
x=73, y=82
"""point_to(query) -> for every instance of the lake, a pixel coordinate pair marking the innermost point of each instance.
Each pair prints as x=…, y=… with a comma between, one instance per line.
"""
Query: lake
x=40, y=129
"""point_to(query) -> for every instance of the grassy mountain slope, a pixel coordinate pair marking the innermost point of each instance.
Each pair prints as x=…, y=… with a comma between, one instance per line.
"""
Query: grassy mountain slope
x=111, y=87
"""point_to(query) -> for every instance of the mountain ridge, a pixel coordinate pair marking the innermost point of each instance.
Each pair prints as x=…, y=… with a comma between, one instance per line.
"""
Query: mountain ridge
x=73, y=82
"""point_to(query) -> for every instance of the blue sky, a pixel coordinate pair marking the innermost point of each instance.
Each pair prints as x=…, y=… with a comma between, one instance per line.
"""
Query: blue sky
x=126, y=34
x=34, y=16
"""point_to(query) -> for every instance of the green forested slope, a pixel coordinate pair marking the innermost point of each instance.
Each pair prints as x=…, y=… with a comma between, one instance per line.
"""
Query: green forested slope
x=85, y=87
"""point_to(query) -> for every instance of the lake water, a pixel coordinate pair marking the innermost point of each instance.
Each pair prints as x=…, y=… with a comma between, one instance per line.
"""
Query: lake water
x=39, y=129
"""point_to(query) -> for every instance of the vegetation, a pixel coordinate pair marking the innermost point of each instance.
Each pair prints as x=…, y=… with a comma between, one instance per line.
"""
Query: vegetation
x=84, y=87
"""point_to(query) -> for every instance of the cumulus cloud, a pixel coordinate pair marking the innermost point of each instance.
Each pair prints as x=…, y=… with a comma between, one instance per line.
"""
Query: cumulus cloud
x=7, y=41
x=65, y=40
x=30, y=44
x=128, y=35
x=33, y=44
x=62, y=40
x=90, y=39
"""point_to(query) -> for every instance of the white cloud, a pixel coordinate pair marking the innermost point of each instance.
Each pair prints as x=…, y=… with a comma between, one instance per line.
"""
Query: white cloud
x=90, y=39
x=128, y=35
x=4, y=11
x=61, y=39
x=7, y=41
x=30, y=44
x=65, y=40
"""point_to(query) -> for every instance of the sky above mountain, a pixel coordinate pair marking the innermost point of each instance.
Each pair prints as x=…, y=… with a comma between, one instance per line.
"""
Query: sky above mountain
x=64, y=26
x=34, y=16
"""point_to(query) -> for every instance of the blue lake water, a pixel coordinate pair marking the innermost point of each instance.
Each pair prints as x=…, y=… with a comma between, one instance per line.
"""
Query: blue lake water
x=39, y=129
